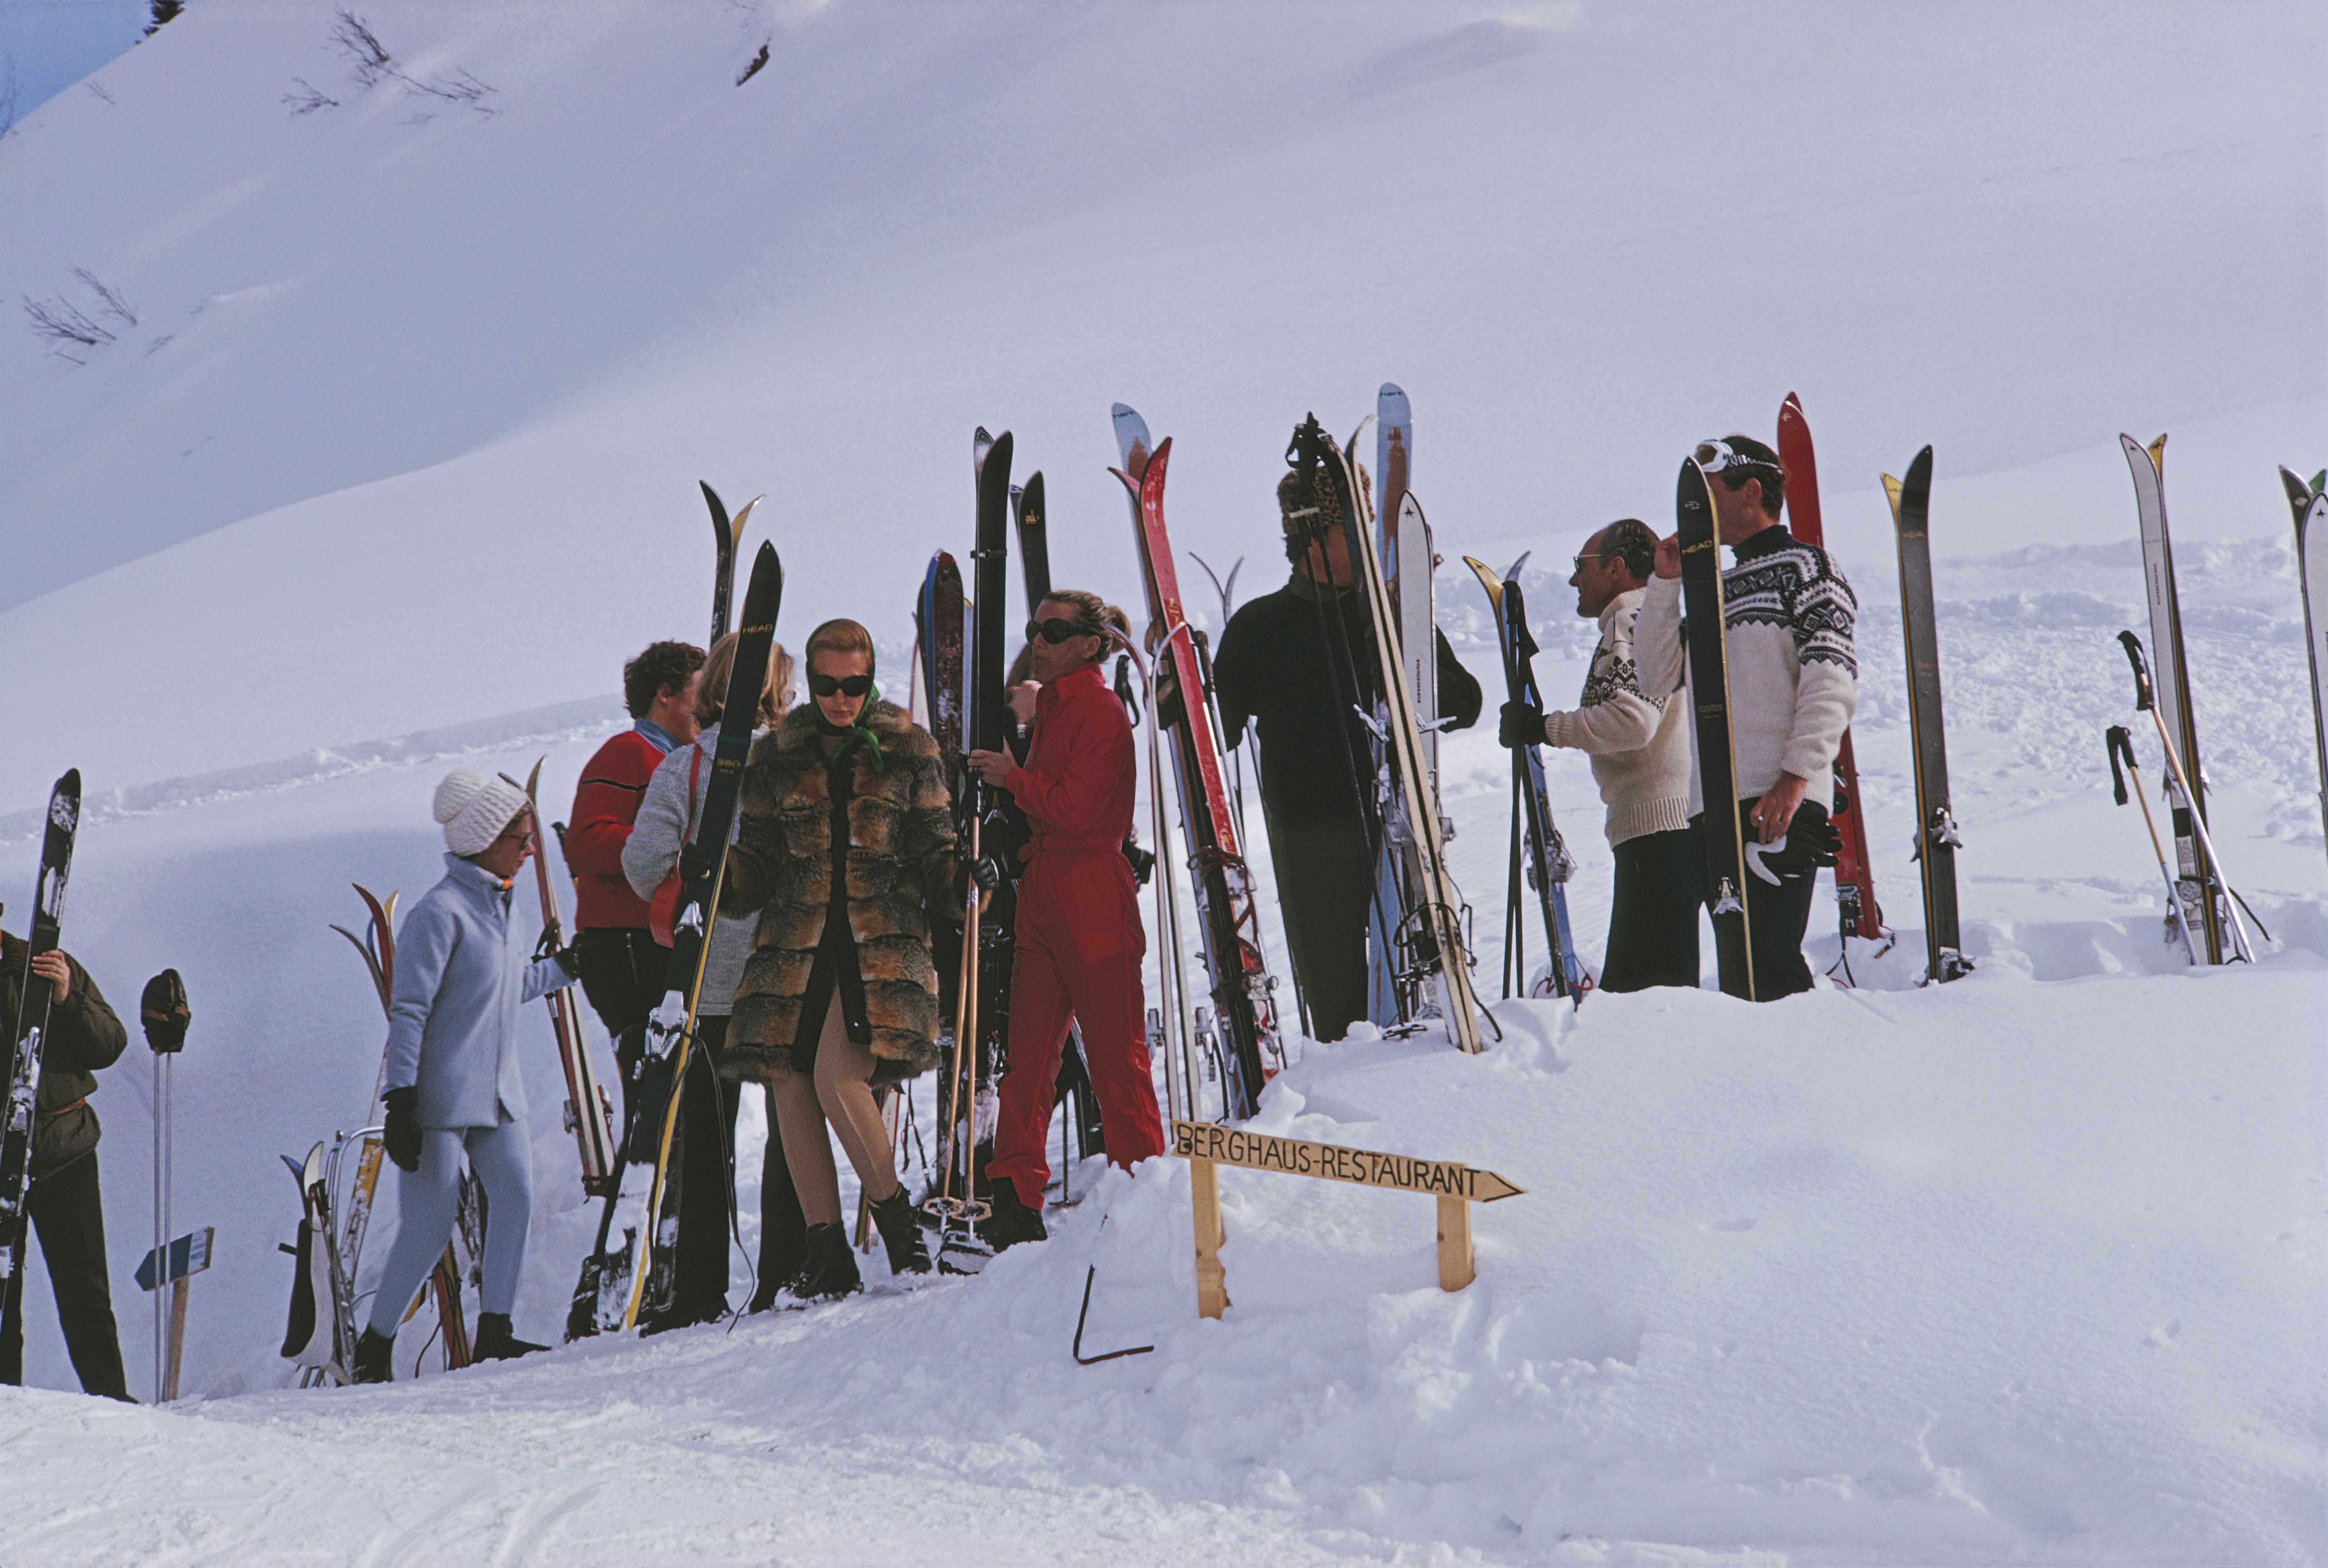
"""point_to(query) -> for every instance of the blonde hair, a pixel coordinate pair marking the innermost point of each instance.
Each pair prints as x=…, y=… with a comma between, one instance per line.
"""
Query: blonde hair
x=776, y=692
x=838, y=636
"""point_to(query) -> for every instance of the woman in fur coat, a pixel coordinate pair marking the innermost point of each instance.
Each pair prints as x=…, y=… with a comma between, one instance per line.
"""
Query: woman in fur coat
x=847, y=843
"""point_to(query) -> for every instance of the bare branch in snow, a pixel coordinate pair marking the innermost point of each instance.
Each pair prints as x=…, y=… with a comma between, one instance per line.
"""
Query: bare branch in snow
x=368, y=58
x=65, y=327
x=308, y=99
x=112, y=304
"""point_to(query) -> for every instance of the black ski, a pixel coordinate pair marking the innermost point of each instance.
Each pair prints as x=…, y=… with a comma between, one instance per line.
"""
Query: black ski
x=29, y=1026
x=1034, y=538
x=726, y=534
x=1709, y=690
x=1936, y=829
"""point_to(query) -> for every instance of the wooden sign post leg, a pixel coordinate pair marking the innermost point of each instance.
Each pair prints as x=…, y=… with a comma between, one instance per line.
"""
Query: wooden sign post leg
x=177, y=1335
x=1212, y=1280
x=1455, y=1270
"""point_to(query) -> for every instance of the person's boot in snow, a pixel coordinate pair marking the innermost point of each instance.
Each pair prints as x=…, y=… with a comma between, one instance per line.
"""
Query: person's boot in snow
x=831, y=1272
x=496, y=1342
x=1011, y=1222
x=901, y=1233
x=373, y=1352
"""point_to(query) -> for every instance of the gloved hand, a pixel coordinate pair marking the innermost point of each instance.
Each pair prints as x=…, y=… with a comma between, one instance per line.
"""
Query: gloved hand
x=697, y=860
x=1143, y=862
x=402, y=1134
x=569, y=959
x=1519, y=724
x=985, y=874
x=1811, y=842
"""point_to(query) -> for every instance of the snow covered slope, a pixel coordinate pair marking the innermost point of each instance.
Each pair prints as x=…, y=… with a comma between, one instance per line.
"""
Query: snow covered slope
x=398, y=463
x=419, y=389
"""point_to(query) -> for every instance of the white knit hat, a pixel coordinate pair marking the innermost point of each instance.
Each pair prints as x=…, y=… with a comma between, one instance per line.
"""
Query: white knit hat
x=474, y=808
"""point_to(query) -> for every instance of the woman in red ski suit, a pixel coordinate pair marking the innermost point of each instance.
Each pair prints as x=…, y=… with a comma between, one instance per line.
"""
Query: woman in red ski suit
x=1079, y=938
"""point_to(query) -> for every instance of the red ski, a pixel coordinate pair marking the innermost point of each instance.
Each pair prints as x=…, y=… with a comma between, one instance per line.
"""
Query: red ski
x=1241, y=981
x=1854, y=880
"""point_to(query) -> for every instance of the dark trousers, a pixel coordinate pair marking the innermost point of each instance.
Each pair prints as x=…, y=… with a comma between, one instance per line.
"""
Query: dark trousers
x=1776, y=918
x=1325, y=890
x=1653, y=916
x=68, y=1213
x=623, y=975
x=706, y=1190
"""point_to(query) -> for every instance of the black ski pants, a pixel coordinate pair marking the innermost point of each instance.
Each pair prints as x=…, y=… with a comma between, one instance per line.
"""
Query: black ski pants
x=1776, y=916
x=623, y=975
x=706, y=1190
x=1325, y=890
x=1653, y=915
x=68, y=1212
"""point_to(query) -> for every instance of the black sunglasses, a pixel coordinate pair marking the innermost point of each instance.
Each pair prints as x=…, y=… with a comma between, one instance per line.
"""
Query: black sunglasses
x=829, y=685
x=1058, y=631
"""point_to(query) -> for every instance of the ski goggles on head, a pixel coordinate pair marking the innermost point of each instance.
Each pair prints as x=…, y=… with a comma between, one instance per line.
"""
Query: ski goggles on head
x=840, y=685
x=1720, y=457
x=1055, y=631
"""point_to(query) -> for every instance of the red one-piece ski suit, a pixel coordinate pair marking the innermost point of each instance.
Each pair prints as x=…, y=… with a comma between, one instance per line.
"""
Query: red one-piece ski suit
x=1080, y=942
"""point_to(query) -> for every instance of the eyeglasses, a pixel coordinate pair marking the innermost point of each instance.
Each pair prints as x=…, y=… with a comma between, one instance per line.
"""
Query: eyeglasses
x=832, y=685
x=1055, y=631
x=1591, y=556
x=1720, y=457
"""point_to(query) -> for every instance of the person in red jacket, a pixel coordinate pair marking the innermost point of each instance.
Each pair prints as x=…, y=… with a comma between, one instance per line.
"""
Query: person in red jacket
x=1079, y=937
x=622, y=964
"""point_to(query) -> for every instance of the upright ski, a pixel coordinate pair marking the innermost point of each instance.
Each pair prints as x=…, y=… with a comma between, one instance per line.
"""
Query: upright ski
x=27, y=1029
x=644, y=1271
x=1936, y=829
x=1244, y=1004
x=1437, y=938
x=1546, y=865
x=2310, y=505
x=2201, y=884
x=589, y=1115
x=1708, y=653
x=1854, y=875
x=1028, y=512
x=727, y=533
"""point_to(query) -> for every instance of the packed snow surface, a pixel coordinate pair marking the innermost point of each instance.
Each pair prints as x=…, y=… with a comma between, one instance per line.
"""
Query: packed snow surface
x=397, y=461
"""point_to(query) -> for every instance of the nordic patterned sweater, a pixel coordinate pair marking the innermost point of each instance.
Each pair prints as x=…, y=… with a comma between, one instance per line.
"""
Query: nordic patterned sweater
x=1794, y=680
x=1640, y=757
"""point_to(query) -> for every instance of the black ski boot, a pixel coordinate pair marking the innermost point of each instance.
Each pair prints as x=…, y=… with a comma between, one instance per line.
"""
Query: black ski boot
x=901, y=1233
x=1011, y=1222
x=374, y=1353
x=496, y=1342
x=831, y=1272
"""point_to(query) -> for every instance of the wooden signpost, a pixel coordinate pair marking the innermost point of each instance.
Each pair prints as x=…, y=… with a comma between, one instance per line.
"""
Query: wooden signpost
x=1207, y=1146
x=175, y=1266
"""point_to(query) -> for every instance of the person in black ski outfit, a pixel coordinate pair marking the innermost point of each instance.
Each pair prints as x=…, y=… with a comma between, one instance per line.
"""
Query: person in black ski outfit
x=67, y=1209
x=1297, y=664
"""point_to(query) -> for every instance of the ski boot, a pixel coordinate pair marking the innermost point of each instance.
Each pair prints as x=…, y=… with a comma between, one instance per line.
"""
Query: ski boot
x=901, y=1235
x=1011, y=1222
x=831, y=1272
x=374, y=1353
x=496, y=1342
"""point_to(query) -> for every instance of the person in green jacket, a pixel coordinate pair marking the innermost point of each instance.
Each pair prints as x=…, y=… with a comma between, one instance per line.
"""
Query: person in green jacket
x=67, y=1210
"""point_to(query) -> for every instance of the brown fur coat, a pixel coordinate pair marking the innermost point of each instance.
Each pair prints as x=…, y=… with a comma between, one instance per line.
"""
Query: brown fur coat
x=900, y=863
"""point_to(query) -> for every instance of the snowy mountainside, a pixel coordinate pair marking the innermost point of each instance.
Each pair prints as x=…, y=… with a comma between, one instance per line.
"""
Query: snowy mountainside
x=414, y=385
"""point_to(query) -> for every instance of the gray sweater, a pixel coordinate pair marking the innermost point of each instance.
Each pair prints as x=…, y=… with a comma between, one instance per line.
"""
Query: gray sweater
x=666, y=816
x=461, y=977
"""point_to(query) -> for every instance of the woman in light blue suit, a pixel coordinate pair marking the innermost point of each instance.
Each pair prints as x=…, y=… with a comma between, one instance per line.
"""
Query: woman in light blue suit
x=454, y=1088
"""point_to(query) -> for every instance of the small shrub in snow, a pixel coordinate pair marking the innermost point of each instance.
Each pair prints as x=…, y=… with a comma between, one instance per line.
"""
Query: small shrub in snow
x=308, y=99
x=367, y=57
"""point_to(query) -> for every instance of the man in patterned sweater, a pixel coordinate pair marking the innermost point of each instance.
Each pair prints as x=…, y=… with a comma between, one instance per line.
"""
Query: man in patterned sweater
x=1640, y=759
x=1794, y=683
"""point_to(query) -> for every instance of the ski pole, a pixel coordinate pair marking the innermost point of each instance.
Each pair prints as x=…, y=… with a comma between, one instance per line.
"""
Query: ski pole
x=2119, y=743
x=2211, y=872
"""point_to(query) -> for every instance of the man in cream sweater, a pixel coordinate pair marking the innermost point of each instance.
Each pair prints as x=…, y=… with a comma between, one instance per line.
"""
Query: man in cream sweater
x=1640, y=759
x=1793, y=681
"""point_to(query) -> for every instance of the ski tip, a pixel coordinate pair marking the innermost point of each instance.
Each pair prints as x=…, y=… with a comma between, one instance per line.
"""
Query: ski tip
x=1513, y=575
x=70, y=784
x=1790, y=401
x=735, y=528
x=533, y=779
x=1891, y=493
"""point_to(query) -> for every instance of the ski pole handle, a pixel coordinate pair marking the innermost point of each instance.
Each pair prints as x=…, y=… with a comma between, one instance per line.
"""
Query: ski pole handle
x=2143, y=699
x=2119, y=743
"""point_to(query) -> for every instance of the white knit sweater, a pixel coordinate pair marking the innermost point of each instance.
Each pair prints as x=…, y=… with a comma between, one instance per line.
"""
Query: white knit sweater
x=1640, y=759
x=1794, y=680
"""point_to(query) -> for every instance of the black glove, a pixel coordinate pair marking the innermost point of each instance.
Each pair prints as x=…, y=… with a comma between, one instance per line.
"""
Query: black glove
x=1811, y=842
x=1520, y=724
x=696, y=862
x=569, y=959
x=164, y=1012
x=1142, y=862
x=985, y=873
x=403, y=1133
